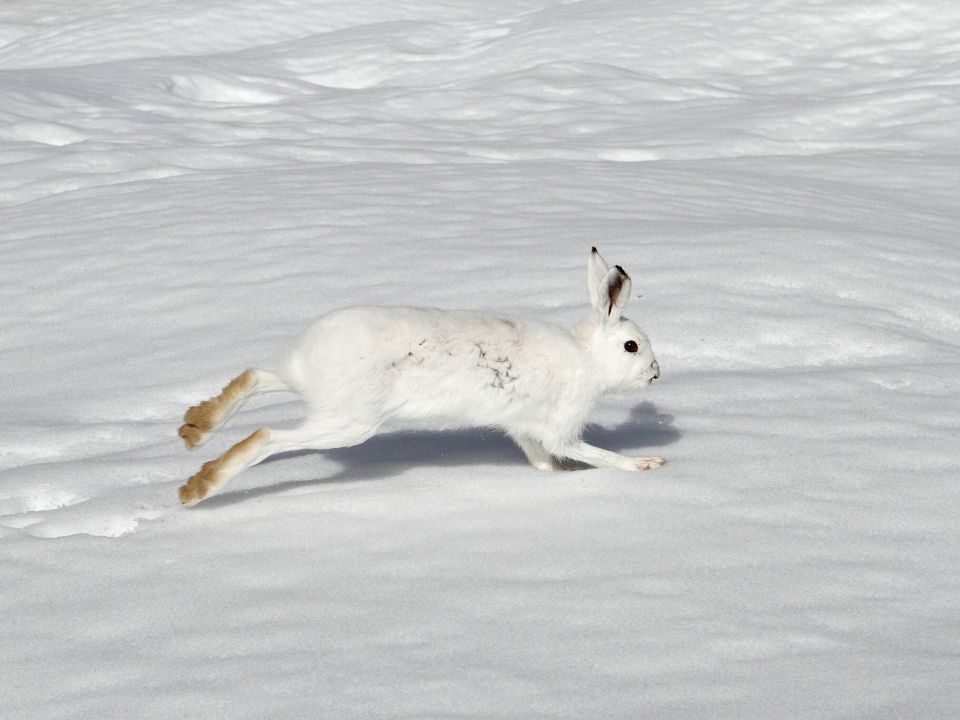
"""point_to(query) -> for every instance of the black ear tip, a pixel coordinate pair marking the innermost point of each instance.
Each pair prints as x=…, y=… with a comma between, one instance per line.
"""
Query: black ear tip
x=593, y=250
x=622, y=271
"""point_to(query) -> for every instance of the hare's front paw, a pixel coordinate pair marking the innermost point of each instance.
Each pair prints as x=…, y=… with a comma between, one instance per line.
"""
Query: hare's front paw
x=550, y=465
x=648, y=463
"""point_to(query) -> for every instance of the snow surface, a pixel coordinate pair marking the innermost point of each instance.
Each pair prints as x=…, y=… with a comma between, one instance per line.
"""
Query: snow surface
x=186, y=184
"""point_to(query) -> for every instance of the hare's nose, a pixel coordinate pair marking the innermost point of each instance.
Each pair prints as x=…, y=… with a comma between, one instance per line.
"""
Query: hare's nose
x=655, y=366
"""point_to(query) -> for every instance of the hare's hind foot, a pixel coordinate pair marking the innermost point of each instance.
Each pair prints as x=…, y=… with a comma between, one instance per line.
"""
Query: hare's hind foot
x=216, y=473
x=199, y=484
x=315, y=435
x=205, y=417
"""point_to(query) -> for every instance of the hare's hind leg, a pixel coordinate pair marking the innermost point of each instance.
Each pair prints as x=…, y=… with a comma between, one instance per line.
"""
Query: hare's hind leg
x=216, y=473
x=263, y=443
x=204, y=418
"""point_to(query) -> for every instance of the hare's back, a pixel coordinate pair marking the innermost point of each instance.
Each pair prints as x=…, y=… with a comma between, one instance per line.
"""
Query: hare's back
x=419, y=362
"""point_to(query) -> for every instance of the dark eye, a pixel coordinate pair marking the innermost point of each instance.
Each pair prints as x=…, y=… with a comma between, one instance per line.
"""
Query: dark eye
x=630, y=346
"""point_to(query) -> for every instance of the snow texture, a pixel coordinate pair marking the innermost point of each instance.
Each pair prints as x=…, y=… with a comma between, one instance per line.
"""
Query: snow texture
x=185, y=185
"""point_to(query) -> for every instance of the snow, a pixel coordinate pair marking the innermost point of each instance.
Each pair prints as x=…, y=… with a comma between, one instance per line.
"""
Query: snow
x=185, y=185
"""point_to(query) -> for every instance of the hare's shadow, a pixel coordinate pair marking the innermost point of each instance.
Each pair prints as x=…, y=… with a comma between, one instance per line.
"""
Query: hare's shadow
x=391, y=452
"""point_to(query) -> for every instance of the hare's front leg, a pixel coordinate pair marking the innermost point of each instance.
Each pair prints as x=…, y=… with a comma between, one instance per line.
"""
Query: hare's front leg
x=536, y=455
x=598, y=457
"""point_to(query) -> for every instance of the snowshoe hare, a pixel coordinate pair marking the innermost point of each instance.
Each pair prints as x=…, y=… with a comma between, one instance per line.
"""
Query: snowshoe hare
x=359, y=366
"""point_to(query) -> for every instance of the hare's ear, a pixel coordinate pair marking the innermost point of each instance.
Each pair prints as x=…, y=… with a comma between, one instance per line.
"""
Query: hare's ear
x=597, y=270
x=613, y=294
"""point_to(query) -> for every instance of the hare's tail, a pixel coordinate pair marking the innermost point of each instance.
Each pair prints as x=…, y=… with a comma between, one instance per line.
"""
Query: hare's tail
x=206, y=417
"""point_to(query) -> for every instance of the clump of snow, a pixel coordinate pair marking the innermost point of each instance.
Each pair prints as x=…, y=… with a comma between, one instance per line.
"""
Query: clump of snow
x=186, y=185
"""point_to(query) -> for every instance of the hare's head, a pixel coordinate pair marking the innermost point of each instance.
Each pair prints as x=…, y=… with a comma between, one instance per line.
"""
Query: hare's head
x=620, y=352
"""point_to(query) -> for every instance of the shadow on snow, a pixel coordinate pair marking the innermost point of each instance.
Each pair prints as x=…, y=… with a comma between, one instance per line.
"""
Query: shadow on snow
x=391, y=452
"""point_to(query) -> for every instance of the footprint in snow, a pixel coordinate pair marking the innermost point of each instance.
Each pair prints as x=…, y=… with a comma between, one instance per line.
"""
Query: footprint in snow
x=51, y=513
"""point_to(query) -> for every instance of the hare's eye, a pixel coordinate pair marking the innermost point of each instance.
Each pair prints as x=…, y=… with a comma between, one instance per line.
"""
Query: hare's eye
x=630, y=346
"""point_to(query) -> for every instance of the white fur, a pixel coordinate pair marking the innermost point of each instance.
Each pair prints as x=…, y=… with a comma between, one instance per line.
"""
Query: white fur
x=359, y=366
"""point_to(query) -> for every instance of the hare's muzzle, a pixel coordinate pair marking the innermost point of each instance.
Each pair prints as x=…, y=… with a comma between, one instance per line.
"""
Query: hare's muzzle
x=655, y=366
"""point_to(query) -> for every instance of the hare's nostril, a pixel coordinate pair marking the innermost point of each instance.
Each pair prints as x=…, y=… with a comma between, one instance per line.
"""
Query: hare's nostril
x=655, y=366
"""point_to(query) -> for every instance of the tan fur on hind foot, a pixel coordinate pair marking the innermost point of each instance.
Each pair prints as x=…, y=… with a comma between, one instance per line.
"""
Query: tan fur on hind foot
x=192, y=436
x=210, y=414
x=197, y=487
x=216, y=473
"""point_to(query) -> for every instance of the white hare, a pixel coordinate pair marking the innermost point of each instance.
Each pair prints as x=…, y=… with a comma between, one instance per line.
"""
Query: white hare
x=360, y=366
